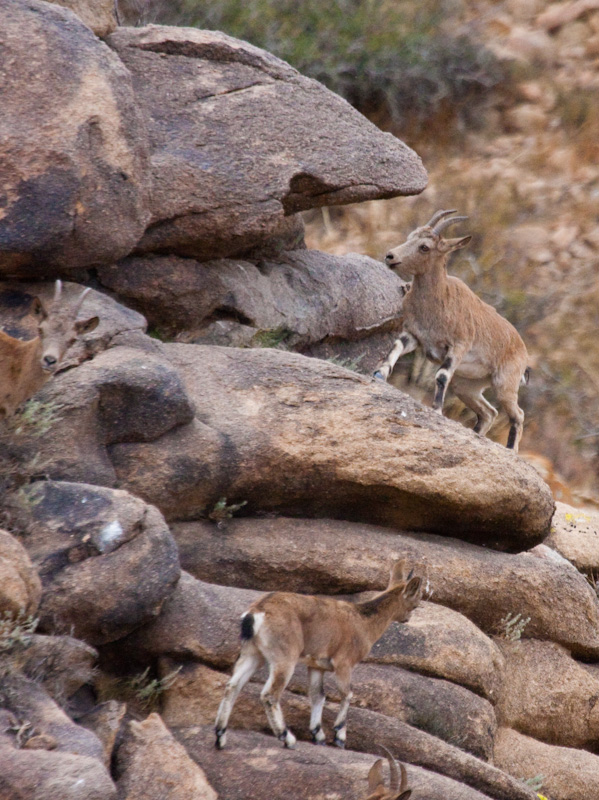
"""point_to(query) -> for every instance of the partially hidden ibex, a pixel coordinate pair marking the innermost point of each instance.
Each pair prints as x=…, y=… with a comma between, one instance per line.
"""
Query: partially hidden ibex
x=25, y=365
x=475, y=346
x=398, y=787
x=326, y=634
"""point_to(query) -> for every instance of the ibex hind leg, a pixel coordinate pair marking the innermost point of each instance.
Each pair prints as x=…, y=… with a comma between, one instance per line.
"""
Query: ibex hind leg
x=248, y=662
x=279, y=677
x=471, y=395
x=340, y=727
x=317, y=698
x=507, y=398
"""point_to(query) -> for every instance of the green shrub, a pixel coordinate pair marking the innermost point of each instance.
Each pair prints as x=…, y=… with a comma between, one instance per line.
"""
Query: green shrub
x=390, y=59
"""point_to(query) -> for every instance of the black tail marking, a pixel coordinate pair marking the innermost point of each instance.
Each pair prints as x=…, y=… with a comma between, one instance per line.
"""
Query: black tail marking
x=247, y=627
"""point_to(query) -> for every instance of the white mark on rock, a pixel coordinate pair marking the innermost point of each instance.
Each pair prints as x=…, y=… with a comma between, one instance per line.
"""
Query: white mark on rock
x=109, y=536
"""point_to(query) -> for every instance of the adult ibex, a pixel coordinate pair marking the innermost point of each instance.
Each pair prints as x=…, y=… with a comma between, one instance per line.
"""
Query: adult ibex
x=475, y=346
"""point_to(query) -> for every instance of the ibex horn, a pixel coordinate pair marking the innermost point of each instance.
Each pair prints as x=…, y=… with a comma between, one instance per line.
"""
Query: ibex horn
x=446, y=223
x=437, y=216
x=394, y=772
x=80, y=299
x=57, y=291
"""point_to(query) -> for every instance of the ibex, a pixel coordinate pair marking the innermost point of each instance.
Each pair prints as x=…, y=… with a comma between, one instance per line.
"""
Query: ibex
x=25, y=365
x=398, y=789
x=475, y=346
x=326, y=634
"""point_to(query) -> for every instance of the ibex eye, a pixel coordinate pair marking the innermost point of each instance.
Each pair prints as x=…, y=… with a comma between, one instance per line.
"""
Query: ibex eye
x=424, y=248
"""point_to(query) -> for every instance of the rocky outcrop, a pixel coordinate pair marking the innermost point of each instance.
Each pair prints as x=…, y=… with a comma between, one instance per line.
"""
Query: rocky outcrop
x=215, y=195
x=566, y=774
x=402, y=466
x=152, y=765
x=193, y=697
x=106, y=560
x=245, y=768
x=548, y=695
x=20, y=587
x=74, y=188
x=483, y=585
x=301, y=297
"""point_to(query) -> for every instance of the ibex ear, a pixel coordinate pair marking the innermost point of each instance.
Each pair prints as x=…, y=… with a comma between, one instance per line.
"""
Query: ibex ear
x=412, y=590
x=449, y=245
x=86, y=325
x=38, y=310
x=399, y=573
x=375, y=776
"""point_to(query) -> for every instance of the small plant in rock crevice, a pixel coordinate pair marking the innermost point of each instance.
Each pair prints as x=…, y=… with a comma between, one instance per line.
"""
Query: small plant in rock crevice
x=16, y=631
x=223, y=511
x=511, y=627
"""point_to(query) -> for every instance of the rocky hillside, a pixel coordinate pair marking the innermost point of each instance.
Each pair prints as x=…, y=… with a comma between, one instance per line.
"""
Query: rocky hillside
x=158, y=484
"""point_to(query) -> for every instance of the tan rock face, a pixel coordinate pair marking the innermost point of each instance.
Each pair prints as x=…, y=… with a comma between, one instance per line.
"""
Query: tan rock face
x=105, y=722
x=254, y=765
x=483, y=585
x=403, y=465
x=20, y=587
x=575, y=534
x=152, y=765
x=99, y=15
x=194, y=696
x=548, y=695
x=305, y=294
x=567, y=774
x=107, y=561
x=216, y=195
x=75, y=185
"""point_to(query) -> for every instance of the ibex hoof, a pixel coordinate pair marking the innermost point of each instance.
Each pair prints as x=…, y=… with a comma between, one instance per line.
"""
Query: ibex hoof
x=221, y=739
x=378, y=376
x=288, y=740
x=339, y=743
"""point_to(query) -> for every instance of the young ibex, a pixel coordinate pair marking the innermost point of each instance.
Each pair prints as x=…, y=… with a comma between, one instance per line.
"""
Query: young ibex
x=25, y=365
x=474, y=345
x=398, y=789
x=327, y=635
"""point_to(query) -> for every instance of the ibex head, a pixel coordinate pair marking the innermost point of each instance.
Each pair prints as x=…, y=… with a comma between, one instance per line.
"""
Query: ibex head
x=398, y=788
x=59, y=327
x=424, y=245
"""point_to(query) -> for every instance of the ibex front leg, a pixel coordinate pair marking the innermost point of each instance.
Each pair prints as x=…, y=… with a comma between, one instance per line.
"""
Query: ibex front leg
x=444, y=375
x=405, y=344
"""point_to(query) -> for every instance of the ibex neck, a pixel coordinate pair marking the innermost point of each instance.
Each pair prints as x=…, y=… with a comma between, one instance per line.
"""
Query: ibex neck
x=433, y=280
x=379, y=612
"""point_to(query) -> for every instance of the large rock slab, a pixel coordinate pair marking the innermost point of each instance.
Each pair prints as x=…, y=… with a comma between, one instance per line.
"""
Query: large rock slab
x=193, y=699
x=548, y=695
x=106, y=560
x=310, y=438
x=20, y=587
x=575, y=534
x=124, y=394
x=254, y=765
x=568, y=774
x=152, y=765
x=305, y=295
x=482, y=584
x=74, y=155
x=246, y=140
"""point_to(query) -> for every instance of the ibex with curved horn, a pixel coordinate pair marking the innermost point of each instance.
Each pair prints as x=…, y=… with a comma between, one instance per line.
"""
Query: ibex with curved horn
x=398, y=781
x=25, y=365
x=475, y=347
